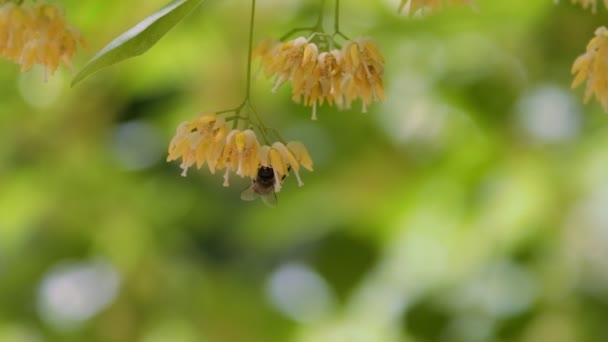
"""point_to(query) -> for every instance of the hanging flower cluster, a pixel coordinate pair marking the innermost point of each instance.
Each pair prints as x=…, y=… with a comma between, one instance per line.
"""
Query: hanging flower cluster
x=36, y=34
x=592, y=68
x=336, y=77
x=209, y=140
x=413, y=6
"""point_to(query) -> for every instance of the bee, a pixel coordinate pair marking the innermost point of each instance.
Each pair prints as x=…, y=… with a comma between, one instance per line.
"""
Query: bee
x=262, y=186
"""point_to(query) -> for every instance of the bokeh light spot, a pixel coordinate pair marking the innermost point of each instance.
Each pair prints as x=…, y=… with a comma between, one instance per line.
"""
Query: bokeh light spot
x=300, y=293
x=73, y=292
x=549, y=115
x=137, y=145
x=38, y=92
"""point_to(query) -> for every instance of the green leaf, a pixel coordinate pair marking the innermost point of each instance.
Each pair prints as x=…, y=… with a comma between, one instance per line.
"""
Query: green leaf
x=138, y=39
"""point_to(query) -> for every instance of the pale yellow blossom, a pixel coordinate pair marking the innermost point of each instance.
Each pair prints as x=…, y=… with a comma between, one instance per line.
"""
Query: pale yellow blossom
x=591, y=68
x=240, y=154
x=37, y=34
x=301, y=153
x=208, y=140
x=337, y=77
x=283, y=159
x=363, y=70
x=285, y=61
x=198, y=142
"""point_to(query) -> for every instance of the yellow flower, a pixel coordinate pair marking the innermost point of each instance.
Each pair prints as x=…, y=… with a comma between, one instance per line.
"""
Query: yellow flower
x=413, y=6
x=283, y=158
x=264, y=48
x=207, y=140
x=37, y=35
x=592, y=67
x=240, y=154
x=320, y=83
x=284, y=60
x=198, y=142
x=338, y=77
x=301, y=153
x=363, y=71
x=330, y=76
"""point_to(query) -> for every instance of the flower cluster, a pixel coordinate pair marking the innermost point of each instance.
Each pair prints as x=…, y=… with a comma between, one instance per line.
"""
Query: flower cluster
x=209, y=140
x=36, y=34
x=413, y=6
x=338, y=77
x=592, y=67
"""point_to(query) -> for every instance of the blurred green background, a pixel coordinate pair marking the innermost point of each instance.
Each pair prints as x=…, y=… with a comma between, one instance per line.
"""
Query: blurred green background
x=469, y=206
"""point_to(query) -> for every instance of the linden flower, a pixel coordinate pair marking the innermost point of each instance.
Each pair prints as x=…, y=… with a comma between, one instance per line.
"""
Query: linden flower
x=198, y=142
x=283, y=158
x=264, y=49
x=363, y=69
x=293, y=61
x=592, y=67
x=207, y=140
x=287, y=61
x=323, y=83
x=37, y=35
x=413, y=6
x=338, y=77
x=240, y=154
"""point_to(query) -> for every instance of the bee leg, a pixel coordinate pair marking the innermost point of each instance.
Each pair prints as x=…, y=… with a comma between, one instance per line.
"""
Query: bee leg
x=285, y=175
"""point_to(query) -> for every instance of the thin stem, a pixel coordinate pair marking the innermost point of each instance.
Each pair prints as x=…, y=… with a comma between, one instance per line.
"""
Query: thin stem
x=278, y=135
x=234, y=117
x=250, y=52
x=337, y=22
x=261, y=126
x=337, y=17
x=342, y=35
x=235, y=110
x=247, y=101
x=249, y=57
x=319, y=25
x=296, y=30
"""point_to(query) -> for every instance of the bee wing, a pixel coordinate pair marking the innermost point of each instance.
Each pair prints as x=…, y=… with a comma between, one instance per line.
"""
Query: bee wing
x=249, y=194
x=270, y=199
